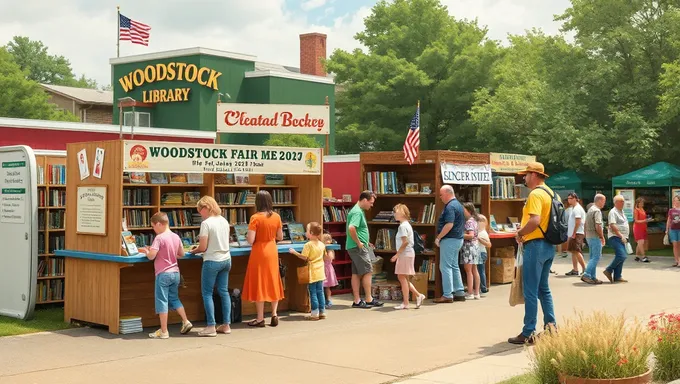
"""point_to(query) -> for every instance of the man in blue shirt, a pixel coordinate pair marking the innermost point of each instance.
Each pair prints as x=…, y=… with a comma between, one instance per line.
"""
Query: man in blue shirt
x=450, y=240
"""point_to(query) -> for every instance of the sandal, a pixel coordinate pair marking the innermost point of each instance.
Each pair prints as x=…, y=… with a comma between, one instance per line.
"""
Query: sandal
x=274, y=322
x=255, y=323
x=224, y=329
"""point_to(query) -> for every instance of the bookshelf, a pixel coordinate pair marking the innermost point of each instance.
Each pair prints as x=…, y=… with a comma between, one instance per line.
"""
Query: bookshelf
x=389, y=176
x=335, y=223
x=51, y=228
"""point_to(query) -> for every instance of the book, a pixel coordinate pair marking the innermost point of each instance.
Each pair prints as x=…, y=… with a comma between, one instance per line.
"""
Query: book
x=138, y=177
x=297, y=232
x=195, y=178
x=242, y=178
x=274, y=179
x=159, y=178
x=178, y=178
x=129, y=243
x=241, y=232
x=411, y=188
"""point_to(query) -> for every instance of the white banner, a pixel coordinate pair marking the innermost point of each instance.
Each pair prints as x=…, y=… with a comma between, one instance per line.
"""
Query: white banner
x=468, y=174
x=273, y=118
x=157, y=156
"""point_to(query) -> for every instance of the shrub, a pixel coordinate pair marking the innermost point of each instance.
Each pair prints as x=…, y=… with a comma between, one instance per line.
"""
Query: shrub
x=594, y=346
x=666, y=328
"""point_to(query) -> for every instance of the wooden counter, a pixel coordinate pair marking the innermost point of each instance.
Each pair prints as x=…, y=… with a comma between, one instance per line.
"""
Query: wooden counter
x=102, y=288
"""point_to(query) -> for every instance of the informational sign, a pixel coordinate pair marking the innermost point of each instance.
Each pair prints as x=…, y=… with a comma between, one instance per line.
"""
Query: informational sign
x=629, y=205
x=470, y=174
x=91, y=210
x=175, y=72
x=273, y=118
x=154, y=156
x=509, y=163
x=674, y=192
x=19, y=231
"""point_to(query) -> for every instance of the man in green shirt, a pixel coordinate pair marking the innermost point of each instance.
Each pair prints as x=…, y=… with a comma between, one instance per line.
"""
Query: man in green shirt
x=360, y=251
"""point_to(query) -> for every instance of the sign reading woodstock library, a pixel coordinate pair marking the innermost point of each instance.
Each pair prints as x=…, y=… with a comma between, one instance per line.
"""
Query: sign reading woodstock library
x=470, y=174
x=156, y=156
x=509, y=163
x=273, y=118
x=154, y=73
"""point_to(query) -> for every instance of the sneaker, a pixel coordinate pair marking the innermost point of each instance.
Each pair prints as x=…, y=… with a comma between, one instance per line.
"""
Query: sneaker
x=312, y=318
x=207, y=333
x=186, y=327
x=646, y=260
x=564, y=254
x=572, y=273
x=329, y=304
x=469, y=297
x=637, y=259
x=401, y=306
x=419, y=300
x=609, y=275
x=478, y=297
x=360, y=304
x=375, y=303
x=322, y=316
x=159, y=335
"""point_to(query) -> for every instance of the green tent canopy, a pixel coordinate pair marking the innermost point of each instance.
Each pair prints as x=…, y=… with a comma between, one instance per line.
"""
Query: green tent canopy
x=658, y=175
x=584, y=184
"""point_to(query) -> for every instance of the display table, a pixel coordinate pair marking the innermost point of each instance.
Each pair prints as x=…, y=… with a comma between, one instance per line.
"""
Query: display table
x=502, y=239
x=102, y=288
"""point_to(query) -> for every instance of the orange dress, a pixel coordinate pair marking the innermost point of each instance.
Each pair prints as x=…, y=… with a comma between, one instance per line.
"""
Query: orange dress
x=262, y=281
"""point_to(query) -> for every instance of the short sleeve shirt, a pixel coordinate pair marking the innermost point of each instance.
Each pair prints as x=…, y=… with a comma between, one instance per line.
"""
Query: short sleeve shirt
x=405, y=230
x=216, y=229
x=619, y=219
x=452, y=213
x=471, y=225
x=538, y=203
x=674, y=214
x=167, y=244
x=576, y=213
x=357, y=219
x=314, y=251
x=593, y=219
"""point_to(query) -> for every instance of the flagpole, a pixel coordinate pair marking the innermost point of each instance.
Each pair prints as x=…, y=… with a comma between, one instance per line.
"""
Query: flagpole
x=118, y=33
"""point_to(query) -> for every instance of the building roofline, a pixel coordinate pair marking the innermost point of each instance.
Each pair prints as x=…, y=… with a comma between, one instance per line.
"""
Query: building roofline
x=341, y=159
x=291, y=75
x=47, y=87
x=181, y=52
x=10, y=122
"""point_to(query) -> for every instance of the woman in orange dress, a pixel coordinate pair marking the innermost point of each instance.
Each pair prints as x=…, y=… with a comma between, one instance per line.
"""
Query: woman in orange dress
x=263, y=282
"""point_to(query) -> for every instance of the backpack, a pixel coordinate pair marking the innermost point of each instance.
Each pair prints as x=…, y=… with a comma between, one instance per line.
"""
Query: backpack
x=556, y=232
x=418, y=244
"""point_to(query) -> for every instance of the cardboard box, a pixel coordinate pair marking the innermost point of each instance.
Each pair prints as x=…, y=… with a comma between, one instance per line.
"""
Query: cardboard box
x=504, y=252
x=502, y=270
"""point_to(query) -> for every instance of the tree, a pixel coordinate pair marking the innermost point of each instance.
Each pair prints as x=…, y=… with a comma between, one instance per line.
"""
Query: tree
x=24, y=98
x=290, y=140
x=415, y=51
x=34, y=59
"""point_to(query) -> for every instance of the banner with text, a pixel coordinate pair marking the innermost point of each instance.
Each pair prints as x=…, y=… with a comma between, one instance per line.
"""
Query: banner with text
x=156, y=156
x=509, y=163
x=470, y=174
x=273, y=118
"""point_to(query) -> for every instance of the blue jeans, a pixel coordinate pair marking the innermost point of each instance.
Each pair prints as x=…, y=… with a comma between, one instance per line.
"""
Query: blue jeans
x=620, y=256
x=216, y=273
x=452, y=282
x=166, y=292
x=317, y=297
x=538, y=259
x=481, y=268
x=595, y=247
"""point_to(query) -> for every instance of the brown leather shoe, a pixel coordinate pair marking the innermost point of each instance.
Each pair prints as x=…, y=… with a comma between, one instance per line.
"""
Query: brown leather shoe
x=609, y=275
x=521, y=340
x=274, y=322
x=459, y=298
x=621, y=280
x=443, y=299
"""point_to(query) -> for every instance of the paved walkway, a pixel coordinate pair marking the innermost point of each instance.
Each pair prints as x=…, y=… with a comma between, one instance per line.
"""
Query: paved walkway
x=429, y=345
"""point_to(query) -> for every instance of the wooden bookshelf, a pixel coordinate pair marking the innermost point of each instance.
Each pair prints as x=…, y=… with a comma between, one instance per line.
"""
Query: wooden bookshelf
x=427, y=170
x=335, y=215
x=51, y=179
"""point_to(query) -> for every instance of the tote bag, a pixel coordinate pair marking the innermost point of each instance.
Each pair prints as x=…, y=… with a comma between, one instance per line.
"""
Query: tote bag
x=516, y=290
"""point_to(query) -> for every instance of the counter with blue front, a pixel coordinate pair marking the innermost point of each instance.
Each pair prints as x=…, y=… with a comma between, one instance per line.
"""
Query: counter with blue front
x=103, y=288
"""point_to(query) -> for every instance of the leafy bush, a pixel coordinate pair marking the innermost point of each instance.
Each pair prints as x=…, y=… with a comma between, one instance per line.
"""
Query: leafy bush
x=594, y=346
x=666, y=328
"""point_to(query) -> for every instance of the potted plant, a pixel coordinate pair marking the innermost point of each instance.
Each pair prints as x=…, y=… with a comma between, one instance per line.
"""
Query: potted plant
x=666, y=329
x=594, y=349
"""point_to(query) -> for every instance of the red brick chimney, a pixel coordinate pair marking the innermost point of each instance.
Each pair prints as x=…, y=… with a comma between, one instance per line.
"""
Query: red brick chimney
x=312, y=52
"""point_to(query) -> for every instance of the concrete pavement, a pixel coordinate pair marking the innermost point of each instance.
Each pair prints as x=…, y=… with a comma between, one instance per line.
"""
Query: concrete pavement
x=352, y=346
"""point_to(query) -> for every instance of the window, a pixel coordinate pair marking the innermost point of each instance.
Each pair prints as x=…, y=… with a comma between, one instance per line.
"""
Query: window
x=141, y=119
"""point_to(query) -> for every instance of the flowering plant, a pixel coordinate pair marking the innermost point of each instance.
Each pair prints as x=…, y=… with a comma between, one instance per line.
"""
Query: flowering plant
x=666, y=328
x=594, y=346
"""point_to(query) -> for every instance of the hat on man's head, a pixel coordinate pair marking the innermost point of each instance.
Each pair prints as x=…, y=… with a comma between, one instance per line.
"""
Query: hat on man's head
x=534, y=167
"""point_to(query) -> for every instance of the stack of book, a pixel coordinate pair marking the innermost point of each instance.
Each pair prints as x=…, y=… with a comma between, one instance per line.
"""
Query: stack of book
x=130, y=324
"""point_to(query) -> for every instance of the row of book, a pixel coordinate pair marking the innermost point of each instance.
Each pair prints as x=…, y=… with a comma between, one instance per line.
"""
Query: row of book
x=56, y=174
x=235, y=215
x=56, y=242
x=235, y=198
x=505, y=187
x=384, y=182
x=282, y=196
x=50, y=290
x=428, y=266
x=57, y=219
x=385, y=239
x=136, y=196
x=162, y=178
x=427, y=214
x=180, y=198
x=55, y=198
x=137, y=218
x=184, y=217
x=333, y=213
x=51, y=267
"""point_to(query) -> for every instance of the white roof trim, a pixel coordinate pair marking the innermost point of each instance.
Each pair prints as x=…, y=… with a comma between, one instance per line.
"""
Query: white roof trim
x=102, y=128
x=181, y=52
x=290, y=75
x=341, y=159
x=49, y=152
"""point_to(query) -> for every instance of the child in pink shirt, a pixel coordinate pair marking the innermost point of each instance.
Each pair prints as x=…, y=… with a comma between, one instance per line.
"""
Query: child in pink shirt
x=164, y=251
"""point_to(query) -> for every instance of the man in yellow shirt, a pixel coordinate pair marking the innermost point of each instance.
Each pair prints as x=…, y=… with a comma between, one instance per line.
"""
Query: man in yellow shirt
x=538, y=253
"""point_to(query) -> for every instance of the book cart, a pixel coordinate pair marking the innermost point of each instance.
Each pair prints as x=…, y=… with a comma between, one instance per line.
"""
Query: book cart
x=104, y=285
x=417, y=186
x=335, y=223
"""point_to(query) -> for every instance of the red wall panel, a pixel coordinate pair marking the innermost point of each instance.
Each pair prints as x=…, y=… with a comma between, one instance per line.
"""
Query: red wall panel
x=343, y=178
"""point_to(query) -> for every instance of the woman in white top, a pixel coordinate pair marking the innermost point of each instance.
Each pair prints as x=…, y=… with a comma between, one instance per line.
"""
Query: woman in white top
x=618, y=238
x=405, y=257
x=213, y=242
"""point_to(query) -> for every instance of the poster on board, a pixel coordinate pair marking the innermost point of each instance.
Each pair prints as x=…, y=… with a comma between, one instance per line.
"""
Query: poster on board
x=19, y=229
x=629, y=205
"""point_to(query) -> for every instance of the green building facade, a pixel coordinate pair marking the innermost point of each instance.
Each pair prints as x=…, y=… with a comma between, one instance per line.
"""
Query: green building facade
x=182, y=87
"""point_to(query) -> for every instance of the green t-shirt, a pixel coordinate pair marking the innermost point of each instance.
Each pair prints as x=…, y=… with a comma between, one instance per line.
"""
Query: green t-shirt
x=356, y=218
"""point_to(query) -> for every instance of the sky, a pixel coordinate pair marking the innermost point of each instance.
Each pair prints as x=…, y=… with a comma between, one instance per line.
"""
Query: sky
x=84, y=31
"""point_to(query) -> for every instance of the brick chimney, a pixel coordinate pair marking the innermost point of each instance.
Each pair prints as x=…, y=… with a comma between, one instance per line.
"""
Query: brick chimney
x=312, y=51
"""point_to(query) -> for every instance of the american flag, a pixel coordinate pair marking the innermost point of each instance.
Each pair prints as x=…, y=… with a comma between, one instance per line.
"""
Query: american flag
x=134, y=31
x=412, y=142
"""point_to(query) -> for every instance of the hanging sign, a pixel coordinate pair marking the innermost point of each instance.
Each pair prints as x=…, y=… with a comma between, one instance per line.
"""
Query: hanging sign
x=629, y=202
x=509, y=163
x=273, y=118
x=155, y=156
x=469, y=174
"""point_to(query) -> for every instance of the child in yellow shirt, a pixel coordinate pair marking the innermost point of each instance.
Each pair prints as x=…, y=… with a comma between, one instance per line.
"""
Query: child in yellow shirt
x=314, y=252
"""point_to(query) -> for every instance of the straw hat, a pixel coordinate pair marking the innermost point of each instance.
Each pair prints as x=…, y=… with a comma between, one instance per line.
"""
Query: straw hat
x=535, y=167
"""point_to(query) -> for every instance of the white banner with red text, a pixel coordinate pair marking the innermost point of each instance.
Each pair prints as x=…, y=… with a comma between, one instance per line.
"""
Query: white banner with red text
x=158, y=156
x=273, y=118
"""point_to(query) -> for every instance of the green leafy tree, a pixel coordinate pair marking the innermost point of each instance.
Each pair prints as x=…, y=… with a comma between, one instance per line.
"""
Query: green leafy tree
x=34, y=59
x=24, y=98
x=415, y=51
x=290, y=140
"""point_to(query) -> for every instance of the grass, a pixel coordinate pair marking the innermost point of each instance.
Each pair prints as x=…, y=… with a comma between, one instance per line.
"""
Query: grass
x=51, y=319
x=527, y=378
